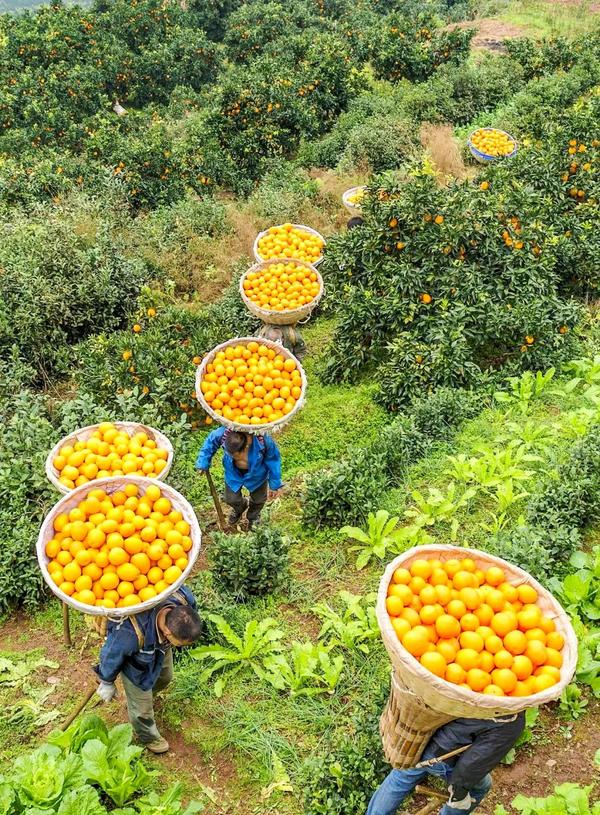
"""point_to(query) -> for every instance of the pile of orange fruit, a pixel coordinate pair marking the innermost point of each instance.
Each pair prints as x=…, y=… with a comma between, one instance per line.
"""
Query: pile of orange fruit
x=356, y=197
x=109, y=452
x=281, y=286
x=473, y=628
x=119, y=549
x=289, y=241
x=251, y=383
x=492, y=142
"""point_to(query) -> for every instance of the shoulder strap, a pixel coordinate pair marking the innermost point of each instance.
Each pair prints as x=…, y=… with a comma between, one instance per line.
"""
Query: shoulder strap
x=138, y=631
x=180, y=596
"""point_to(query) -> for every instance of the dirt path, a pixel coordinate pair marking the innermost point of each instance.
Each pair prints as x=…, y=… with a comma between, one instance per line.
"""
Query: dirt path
x=491, y=33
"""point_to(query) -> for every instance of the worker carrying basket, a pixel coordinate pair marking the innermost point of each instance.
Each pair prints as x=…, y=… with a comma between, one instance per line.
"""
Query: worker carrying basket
x=474, y=641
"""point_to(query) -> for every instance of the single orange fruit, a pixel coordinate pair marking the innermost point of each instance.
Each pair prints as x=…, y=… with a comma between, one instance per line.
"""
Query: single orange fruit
x=503, y=659
x=522, y=667
x=448, y=648
x=469, y=622
x=416, y=641
x=394, y=605
x=515, y=642
x=527, y=594
x=434, y=662
x=469, y=639
x=402, y=576
x=505, y=679
x=467, y=658
x=503, y=623
x=421, y=568
x=537, y=653
x=455, y=674
x=400, y=626
x=494, y=576
x=555, y=640
x=429, y=614
x=456, y=608
x=478, y=680
x=447, y=626
x=493, y=690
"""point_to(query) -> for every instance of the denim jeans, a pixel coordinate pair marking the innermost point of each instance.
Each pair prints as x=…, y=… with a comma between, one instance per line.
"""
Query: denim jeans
x=400, y=783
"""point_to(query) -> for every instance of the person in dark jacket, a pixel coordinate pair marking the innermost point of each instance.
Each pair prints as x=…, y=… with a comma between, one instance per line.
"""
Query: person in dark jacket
x=139, y=648
x=467, y=774
x=249, y=461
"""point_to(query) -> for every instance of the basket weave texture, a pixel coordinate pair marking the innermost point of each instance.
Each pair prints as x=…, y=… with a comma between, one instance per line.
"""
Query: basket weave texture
x=290, y=316
x=296, y=226
x=110, y=485
x=406, y=725
x=452, y=700
x=256, y=429
x=84, y=433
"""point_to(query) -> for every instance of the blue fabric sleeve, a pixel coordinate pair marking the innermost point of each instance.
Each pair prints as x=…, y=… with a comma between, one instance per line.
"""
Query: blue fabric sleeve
x=209, y=448
x=191, y=600
x=273, y=463
x=120, y=644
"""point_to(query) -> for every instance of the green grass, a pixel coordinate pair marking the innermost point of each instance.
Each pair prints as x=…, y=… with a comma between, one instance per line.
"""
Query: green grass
x=551, y=19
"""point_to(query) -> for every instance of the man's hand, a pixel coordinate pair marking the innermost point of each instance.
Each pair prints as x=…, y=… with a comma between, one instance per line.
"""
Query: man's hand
x=273, y=494
x=460, y=799
x=201, y=471
x=106, y=691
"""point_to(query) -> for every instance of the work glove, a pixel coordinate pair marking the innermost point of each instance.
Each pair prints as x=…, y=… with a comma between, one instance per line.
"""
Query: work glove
x=106, y=691
x=464, y=802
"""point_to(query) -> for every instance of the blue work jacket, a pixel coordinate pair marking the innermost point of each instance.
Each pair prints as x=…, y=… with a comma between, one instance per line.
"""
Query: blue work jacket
x=122, y=651
x=264, y=462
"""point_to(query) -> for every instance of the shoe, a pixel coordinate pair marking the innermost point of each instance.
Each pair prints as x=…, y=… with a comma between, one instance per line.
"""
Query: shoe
x=235, y=516
x=158, y=746
x=253, y=524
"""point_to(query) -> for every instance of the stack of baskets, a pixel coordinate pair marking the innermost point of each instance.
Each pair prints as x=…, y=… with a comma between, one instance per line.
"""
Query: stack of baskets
x=420, y=702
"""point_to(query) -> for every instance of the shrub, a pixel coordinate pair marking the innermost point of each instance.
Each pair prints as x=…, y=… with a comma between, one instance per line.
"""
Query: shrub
x=541, y=552
x=59, y=286
x=252, y=564
x=569, y=496
x=346, y=492
x=183, y=221
x=440, y=414
x=342, y=780
x=381, y=143
x=283, y=192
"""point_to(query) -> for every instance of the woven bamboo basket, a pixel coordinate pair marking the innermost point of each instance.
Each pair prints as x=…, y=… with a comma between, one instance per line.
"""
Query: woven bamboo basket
x=406, y=725
x=110, y=485
x=290, y=316
x=353, y=209
x=485, y=158
x=84, y=433
x=257, y=429
x=449, y=699
x=296, y=226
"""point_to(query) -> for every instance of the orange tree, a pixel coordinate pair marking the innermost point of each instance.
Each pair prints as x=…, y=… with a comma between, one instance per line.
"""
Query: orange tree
x=414, y=47
x=446, y=286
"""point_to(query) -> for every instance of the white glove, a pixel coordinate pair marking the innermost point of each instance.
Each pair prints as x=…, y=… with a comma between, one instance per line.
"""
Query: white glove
x=465, y=803
x=106, y=691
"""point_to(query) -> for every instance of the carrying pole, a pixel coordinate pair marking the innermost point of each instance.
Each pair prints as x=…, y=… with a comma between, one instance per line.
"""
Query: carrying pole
x=66, y=625
x=79, y=708
x=430, y=762
x=216, y=501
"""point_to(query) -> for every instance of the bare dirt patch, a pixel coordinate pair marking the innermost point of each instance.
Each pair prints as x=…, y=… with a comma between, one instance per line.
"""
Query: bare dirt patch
x=491, y=33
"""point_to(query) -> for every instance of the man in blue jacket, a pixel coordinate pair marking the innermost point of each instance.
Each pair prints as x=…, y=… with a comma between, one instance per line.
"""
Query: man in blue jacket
x=249, y=461
x=139, y=648
x=468, y=775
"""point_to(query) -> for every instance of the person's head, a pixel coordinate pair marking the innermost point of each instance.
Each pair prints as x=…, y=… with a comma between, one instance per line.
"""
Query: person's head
x=354, y=222
x=181, y=625
x=234, y=442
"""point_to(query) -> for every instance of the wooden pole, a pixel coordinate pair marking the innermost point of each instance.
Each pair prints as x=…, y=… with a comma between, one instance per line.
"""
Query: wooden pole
x=79, y=707
x=216, y=501
x=431, y=793
x=431, y=761
x=428, y=808
x=66, y=625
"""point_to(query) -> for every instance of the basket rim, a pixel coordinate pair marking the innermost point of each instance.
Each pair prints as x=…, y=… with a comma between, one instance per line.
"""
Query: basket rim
x=508, y=704
x=265, y=314
x=256, y=430
x=112, y=485
x=306, y=228
x=52, y=472
x=487, y=156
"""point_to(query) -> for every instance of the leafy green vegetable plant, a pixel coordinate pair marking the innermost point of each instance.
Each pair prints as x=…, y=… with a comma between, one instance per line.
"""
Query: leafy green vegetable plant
x=42, y=778
x=355, y=628
x=567, y=799
x=308, y=671
x=380, y=537
x=246, y=653
x=169, y=803
x=524, y=389
x=573, y=702
x=115, y=765
x=439, y=507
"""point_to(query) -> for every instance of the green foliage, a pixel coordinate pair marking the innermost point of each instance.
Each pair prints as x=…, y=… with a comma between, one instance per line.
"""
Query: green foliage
x=539, y=551
x=115, y=765
x=308, y=671
x=252, y=564
x=354, y=628
x=282, y=192
x=380, y=538
x=539, y=58
x=573, y=703
x=244, y=654
x=567, y=799
x=59, y=286
x=342, y=779
x=580, y=590
x=413, y=47
x=169, y=803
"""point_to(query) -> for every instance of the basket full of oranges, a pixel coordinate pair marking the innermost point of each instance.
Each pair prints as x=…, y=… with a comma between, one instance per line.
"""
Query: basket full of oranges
x=108, y=449
x=281, y=292
x=118, y=546
x=290, y=241
x=489, y=144
x=472, y=635
x=249, y=384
